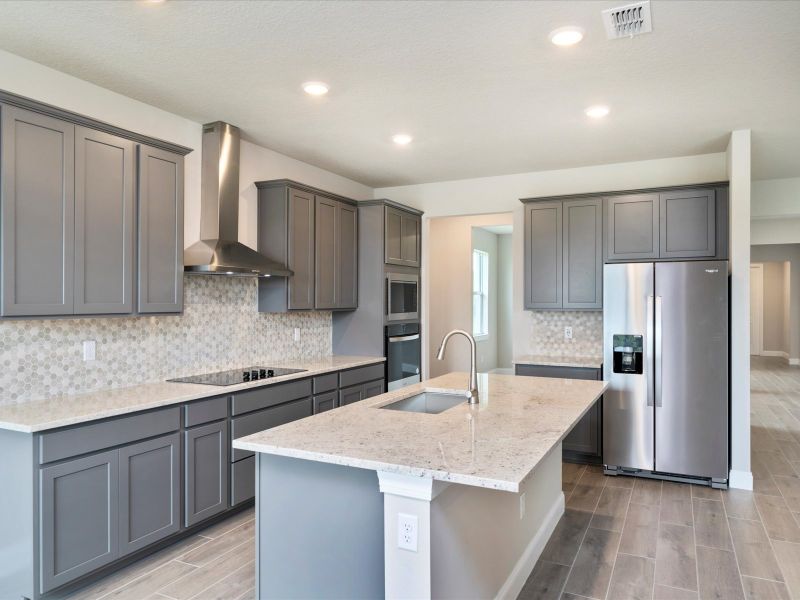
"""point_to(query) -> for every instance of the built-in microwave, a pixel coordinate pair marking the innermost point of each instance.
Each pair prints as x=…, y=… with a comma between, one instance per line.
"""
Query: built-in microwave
x=402, y=297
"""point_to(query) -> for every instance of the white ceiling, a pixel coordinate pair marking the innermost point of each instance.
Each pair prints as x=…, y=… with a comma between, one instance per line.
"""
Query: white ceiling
x=477, y=84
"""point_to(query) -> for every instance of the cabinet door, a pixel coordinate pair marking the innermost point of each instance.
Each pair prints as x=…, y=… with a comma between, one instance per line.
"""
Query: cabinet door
x=104, y=215
x=160, y=264
x=206, y=472
x=543, y=255
x=373, y=388
x=351, y=394
x=149, y=492
x=402, y=235
x=325, y=253
x=346, y=256
x=301, y=250
x=583, y=254
x=37, y=212
x=632, y=227
x=78, y=517
x=584, y=437
x=324, y=402
x=688, y=224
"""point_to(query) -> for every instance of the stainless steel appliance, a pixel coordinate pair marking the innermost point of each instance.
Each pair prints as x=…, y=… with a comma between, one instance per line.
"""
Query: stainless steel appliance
x=403, y=355
x=402, y=296
x=665, y=413
x=237, y=375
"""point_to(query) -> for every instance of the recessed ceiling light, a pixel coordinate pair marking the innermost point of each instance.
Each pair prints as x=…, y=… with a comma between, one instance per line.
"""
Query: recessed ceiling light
x=402, y=139
x=315, y=88
x=566, y=36
x=597, y=112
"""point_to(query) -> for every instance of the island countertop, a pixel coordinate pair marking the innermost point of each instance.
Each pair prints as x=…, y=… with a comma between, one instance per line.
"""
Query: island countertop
x=495, y=444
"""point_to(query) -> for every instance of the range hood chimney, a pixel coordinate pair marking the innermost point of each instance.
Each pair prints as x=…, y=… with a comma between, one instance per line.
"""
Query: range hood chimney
x=219, y=251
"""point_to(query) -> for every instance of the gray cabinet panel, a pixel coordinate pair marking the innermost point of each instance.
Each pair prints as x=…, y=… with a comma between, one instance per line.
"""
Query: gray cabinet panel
x=301, y=250
x=205, y=411
x=326, y=383
x=543, y=255
x=583, y=254
x=373, y=388
x=346, y=256
x=351, y=394
x=79, y=518
x=65, y=443
x=326, y=401
x=270, y=395
x=243, y=480
x=266, y=419
x=361, y=375
x=149, y=492
x=37, y=212
x=103, y=223
x=325, y=253
x=160, y=220
x=688, y=224
x=402, y=235
x=632, y=229
x=206, y=471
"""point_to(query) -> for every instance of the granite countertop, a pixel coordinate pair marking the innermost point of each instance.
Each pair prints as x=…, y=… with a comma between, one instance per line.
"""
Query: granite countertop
x=494, y=445
x=59, y=411
x=583, y=362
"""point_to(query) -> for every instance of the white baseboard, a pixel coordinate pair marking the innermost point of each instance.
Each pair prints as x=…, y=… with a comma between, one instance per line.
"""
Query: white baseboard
x=778, y=353
x=519, y=574
x=741, y=480
x=794, y=362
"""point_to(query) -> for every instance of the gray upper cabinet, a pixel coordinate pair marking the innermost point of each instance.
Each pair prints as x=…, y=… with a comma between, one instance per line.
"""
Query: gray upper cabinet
x=325, y=253
x=346, y=256
x=207, y=464
x=688, y=223
x=79, y=517
x=160, y=239
x=402, y=237
x=583, y=254
x=104, y=171
x=149, y=492
x=37, y=212
x=632, y=227
x=543, y=255
x=301, y=250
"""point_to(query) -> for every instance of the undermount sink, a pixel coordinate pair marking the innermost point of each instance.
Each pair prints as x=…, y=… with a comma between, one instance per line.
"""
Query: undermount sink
x=427, y=402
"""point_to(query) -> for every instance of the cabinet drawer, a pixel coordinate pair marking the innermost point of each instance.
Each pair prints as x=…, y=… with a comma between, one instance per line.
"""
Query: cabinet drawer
x=270, y=395
x=205, y=411
x=266, y=419
x=326, y=383
x=97, y=436
x=243, y=480
x=559, y=372
x=325, y=401
x=361, y=375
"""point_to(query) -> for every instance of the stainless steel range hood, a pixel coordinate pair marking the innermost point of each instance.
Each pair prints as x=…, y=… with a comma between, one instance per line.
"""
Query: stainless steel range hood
x=219, y=251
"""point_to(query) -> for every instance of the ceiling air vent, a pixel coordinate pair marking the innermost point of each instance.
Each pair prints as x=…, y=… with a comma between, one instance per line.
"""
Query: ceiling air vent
x=628, y=21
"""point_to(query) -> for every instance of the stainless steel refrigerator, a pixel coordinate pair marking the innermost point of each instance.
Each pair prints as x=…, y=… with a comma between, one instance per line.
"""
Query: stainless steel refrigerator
x=665, y=329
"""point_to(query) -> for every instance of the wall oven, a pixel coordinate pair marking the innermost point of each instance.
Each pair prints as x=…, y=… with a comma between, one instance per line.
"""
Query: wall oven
x=403, y=355
x=402, y=297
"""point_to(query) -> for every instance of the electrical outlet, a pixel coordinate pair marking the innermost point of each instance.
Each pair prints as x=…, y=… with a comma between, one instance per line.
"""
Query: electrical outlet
x=567, y=333
x=89, y=350
x=521, y=506
x=296, y=334
x=407, y=532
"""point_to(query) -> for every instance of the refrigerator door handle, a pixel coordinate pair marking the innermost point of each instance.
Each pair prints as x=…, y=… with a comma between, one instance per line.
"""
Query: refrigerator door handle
x=658, y=352
x=648, y=346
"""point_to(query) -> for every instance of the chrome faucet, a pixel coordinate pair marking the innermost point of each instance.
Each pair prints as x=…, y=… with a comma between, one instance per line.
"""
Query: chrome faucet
x=472, y=392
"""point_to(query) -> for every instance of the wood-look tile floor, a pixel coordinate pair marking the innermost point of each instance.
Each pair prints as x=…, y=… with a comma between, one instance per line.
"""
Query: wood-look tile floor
x=626, y=538
x=620, y=538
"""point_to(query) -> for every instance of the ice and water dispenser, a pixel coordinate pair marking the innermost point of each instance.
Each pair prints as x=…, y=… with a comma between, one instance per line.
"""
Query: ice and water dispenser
x=628, y=356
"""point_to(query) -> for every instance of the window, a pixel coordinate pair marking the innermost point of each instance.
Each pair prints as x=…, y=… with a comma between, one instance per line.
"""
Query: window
x=480, y=293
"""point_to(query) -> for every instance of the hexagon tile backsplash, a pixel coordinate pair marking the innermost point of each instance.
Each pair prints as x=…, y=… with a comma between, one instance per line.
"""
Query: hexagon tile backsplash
x=219, y=329
x=547, y=333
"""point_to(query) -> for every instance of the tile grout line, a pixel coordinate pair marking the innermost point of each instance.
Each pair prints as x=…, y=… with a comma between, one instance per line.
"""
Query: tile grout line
x=616, y=552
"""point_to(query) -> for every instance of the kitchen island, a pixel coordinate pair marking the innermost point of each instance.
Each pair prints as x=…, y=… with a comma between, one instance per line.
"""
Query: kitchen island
x=403, y=504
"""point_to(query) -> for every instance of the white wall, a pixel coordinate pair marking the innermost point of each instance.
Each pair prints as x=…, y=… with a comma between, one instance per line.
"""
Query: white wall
x=30, y=79
x=775, y=211
x=505, y=301
x=775, y=328
x=487, y=345
x=786, y=253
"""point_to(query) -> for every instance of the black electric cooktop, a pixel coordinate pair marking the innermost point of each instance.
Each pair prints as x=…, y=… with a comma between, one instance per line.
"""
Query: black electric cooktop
x=237, y=376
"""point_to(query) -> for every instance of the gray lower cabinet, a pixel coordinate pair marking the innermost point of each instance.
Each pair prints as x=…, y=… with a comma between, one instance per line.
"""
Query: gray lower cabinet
x=632, y=227
x=104, y=214
x=402, y=237
x=583, y=444
x=688, y=224
x=373, y=388
x=79, y=517
x=37, y=214
x=356, y=393
x=326, y=401
x=149, y=492
x=243, y=480
x=207, y=462
x=160, y=237
x=543, y=255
